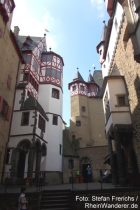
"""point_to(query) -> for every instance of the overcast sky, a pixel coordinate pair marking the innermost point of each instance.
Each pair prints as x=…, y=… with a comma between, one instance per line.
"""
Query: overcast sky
x=75, y=28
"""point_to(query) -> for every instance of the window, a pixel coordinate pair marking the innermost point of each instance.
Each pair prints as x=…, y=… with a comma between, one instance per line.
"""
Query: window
x=35, y=65
x=25, y=118
x=108, y=57
x=27, y=58
x=41, y=123
x=78, y=123
x=133, y=9
x=25, y=76
x=82, y=88
x=55, y=93
x=100, y=52
x=74, y=88
x=58, y=76
x=121, y=100
x=48, y=72
x=60, y=149
x=4, y=109
x=116, y=23
x=83, y=108
x=8, y=156
x=55, y=120
x=107, y=110
x=70, y=163
x=43, y=150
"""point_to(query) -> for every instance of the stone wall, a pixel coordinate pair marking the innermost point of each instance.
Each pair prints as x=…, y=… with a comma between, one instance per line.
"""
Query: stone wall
x=9, y=64
x=97, y=157
x=125, y=65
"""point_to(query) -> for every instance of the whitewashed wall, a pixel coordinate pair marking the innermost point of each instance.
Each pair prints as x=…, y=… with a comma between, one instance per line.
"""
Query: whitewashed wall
x=120, y=114
x=53, y=132
x=113, y=39
x=17, y=128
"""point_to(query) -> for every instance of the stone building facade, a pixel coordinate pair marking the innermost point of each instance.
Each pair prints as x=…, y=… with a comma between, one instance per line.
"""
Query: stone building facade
x=10, y=60
x=119, y=56
x=87, y=125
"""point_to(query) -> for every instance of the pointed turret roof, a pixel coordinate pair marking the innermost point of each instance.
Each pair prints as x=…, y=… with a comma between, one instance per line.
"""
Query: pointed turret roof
x=90, y=78
x=78, y=77
x=103, y=37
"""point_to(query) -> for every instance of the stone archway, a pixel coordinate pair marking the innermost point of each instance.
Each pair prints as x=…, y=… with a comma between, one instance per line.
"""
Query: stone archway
x=37, y=159
x=19, y=158
x=84, y=163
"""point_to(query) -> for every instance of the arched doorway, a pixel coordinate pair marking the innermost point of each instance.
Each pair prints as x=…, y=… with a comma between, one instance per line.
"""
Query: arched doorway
x=19, y=159
x=23, y=150
x=85, y=163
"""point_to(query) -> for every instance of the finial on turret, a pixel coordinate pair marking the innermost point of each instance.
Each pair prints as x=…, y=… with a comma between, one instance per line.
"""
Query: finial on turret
x=50, y=49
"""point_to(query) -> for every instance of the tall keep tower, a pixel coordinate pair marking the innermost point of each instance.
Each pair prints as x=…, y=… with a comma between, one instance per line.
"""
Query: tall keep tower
x=50, y=96
x=87, y=125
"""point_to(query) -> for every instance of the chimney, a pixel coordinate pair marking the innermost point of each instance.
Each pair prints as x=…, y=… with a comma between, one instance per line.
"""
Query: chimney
x=16, y=31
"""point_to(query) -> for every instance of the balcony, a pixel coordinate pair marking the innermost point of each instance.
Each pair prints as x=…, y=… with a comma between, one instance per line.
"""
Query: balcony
x=6, y=8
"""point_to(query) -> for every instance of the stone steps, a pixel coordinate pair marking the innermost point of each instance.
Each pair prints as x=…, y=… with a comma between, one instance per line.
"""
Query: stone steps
x=55, y=200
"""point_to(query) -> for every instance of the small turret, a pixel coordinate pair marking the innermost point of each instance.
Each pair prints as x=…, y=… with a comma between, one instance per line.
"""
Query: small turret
x=52, y=68
x=101, y=46
x=78, y=86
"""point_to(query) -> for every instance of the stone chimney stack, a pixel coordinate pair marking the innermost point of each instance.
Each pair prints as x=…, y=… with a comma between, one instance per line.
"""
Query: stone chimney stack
x=16, y=31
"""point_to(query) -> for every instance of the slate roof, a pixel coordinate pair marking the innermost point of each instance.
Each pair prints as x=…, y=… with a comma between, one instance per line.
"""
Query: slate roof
x=98, y=78
x=28, y=42
x=78, y=77
x=91, y=79
x=31, y=104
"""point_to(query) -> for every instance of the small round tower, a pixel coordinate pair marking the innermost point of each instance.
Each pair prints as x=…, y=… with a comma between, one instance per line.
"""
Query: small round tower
x=51, y=98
